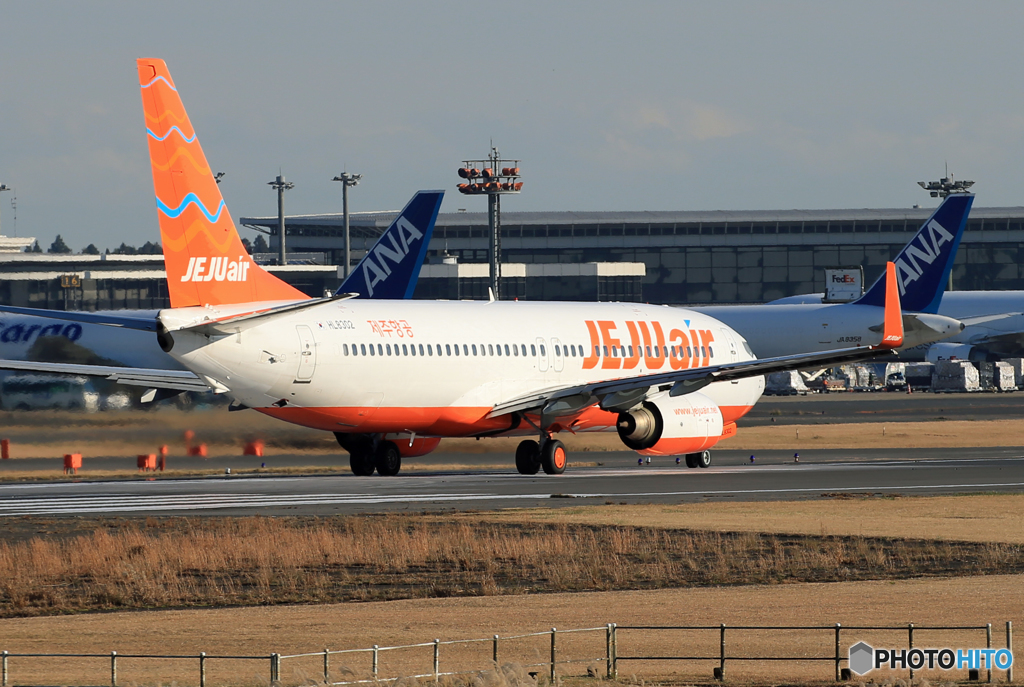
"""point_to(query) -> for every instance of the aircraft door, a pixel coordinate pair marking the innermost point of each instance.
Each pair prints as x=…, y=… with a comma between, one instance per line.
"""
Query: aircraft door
x=307, y=354
x=558, y=354
x=733, y=352
x=542, y=355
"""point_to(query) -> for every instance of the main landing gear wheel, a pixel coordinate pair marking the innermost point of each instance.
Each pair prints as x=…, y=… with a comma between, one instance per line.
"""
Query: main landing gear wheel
x=388, y=459
x=553, y=457
x=698, y=460
x=528, y=457
x=361, y=462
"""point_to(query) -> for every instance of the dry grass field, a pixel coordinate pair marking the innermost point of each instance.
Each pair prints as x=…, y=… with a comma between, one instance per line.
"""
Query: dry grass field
x=181, y=562
x=978, y=518
x=291, y=629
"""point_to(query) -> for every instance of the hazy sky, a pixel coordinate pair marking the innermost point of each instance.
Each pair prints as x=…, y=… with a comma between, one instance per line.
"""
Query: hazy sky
x=609, y=105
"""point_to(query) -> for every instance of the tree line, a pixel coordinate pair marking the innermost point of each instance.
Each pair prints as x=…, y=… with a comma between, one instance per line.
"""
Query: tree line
x=59, y=246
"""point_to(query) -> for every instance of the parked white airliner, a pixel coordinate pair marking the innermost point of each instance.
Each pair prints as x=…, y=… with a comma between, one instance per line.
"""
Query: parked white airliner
x=390, y=378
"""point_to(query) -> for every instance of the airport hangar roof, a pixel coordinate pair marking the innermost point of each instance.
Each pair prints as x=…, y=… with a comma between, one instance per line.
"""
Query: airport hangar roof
x=371, y=224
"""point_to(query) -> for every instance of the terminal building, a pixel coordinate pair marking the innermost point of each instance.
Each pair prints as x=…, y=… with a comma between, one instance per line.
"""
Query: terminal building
x=658, y=257
x=687, y=257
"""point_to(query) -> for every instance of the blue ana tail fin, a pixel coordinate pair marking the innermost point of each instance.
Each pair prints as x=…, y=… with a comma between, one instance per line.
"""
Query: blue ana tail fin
x=391, y=268
x=924, y=264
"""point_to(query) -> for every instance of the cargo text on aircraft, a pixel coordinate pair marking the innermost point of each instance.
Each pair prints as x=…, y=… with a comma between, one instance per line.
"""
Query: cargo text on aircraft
x=219, y=269
x=396, y=252
x=925, y=248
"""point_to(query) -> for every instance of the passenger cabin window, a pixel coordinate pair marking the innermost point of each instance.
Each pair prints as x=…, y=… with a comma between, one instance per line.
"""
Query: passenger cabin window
x=345, y=347
x=558, y=350
x=542, y=350
x=533, y=350
x=597, y=351
x=371, y=350
x=506, y=350
x=448, y=349
x=499, y=350
x=465, y=349
x=490, y=349
x=429, y=351
x=474, y=349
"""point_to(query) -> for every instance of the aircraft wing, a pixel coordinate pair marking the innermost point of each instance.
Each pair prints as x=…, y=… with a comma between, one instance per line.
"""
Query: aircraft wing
x=180, y=380
x=142, y=322
x=679, y=382
x=611, y=394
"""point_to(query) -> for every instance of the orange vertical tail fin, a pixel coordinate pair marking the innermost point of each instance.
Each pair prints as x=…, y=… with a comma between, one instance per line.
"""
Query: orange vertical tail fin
x=205, y=260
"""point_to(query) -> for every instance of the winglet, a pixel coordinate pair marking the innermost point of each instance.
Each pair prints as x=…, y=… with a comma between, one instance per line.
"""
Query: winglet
x=892, y=329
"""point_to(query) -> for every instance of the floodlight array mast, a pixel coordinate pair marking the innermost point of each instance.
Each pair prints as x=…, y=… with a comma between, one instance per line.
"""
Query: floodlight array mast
x=492, y=177
x=945, y=186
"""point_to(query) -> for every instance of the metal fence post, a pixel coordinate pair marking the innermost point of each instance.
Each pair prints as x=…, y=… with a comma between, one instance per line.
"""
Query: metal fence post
x=327, y=666
x=552, y=655
x=1010, y=648
x=607, y=649
x=988, y=645
x=376, y=655
x=615, y=651
x=202, y=669
x=437, y=659
x=113, y=669
x=494, y=654
x=275, y=668
x=910, y=641
x=838, y=674
x=4, y=670
x=721, y=651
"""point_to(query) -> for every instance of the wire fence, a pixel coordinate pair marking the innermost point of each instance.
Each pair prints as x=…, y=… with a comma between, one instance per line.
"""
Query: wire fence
x=553, y=652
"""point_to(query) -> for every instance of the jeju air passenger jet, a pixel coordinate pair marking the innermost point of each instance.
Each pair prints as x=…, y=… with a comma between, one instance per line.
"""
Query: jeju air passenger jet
x=391, y=378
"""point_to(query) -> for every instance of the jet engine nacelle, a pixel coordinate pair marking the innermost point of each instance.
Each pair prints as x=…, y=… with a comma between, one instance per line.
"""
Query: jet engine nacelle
x=666, y=426
x=951, y=351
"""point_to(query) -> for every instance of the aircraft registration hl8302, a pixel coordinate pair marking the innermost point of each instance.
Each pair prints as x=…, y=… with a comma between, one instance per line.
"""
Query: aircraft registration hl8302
x=391, y=378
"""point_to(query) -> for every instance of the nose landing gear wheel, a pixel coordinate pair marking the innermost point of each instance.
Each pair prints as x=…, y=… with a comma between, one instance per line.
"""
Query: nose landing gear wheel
x=388, y=459
x=528, y=457
x=361, y=462
x=553, y=457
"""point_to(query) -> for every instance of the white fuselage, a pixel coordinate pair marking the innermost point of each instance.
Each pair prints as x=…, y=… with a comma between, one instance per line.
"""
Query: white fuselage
x=439, y=368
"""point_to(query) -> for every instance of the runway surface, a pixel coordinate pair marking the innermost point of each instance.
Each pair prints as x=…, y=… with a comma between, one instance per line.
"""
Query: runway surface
x=774, y=477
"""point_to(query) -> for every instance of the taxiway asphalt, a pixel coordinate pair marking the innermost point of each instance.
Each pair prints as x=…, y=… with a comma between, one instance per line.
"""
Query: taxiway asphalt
x=619, y=480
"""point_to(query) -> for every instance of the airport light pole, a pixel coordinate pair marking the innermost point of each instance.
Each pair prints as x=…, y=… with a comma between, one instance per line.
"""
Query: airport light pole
x=5, y=187
x=347, y=180
x=492, y=177
x=281, y=185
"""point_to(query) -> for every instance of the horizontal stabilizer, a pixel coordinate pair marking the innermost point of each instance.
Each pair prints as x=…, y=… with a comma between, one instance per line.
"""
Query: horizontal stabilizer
x=181, y=380
x=146, y=321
